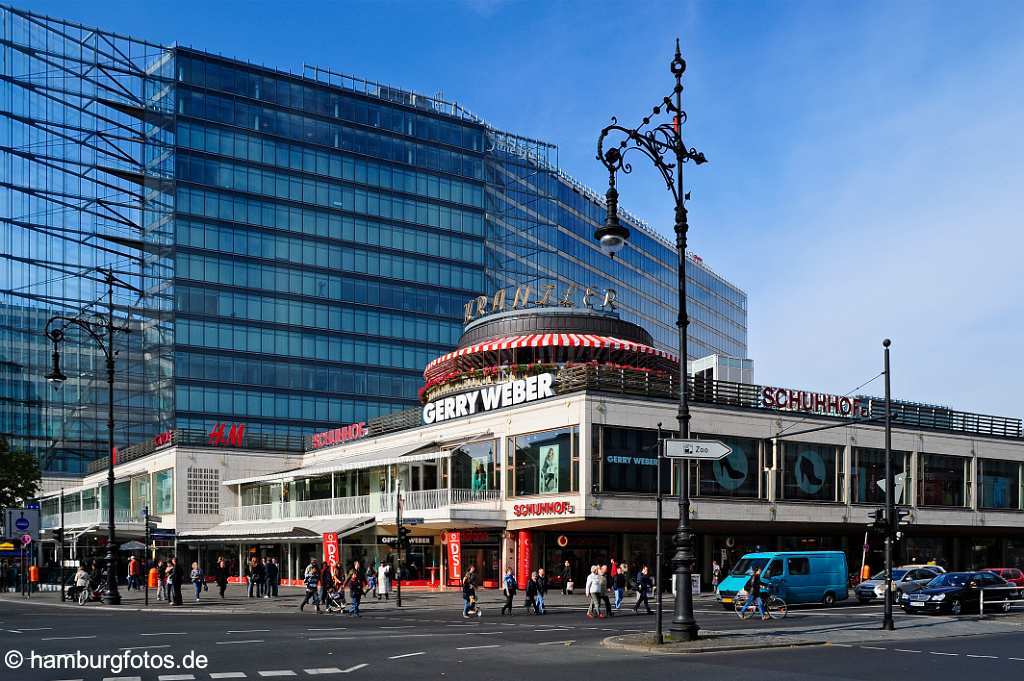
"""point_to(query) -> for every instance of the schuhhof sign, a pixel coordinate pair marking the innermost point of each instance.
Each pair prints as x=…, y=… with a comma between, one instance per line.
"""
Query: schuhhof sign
x=786, y=399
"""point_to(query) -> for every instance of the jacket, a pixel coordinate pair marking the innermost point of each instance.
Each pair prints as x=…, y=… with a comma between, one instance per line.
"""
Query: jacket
x=531, y=589
x=643, y=583
x=593, y=583
x=619, y=581
x=468, y=585
x=542, y=584
x=272, y=572
x=510, y=585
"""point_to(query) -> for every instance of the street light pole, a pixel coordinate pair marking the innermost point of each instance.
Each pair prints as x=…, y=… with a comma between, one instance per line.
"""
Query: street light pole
x=890, y=496
x=101, y=331
x=663, y=145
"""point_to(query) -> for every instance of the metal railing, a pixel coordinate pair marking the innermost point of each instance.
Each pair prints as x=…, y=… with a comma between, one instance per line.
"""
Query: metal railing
x=368, y=504
x=94, y=516
x=1007, y=603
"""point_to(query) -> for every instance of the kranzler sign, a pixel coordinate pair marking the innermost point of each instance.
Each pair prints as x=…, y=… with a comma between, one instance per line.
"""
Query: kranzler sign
x=490, y=398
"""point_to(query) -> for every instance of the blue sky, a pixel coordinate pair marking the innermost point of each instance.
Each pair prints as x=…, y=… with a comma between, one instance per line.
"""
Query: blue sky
x=865, y=176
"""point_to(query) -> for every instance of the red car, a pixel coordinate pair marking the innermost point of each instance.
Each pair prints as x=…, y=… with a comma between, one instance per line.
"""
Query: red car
x=1012, y=575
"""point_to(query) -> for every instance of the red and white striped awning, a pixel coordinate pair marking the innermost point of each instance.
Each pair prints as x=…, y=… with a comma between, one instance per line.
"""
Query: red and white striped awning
x=539, y=340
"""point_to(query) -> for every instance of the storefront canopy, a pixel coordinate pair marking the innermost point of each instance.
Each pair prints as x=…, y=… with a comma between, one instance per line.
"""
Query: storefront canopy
x=307, y=529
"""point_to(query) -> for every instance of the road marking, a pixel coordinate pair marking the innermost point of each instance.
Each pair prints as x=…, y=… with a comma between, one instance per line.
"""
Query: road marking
x=985, y=657
x=35, y=629
x=403, y=626
x=565, y=629
x=328, y=629
x=247, y=631
x=837, y=645
x=871, y=648
x=1019, y=659
x=277, y=672
x=14, y=631
x=227, y=675
x=493, y=645
x=905, y=650
x=352, y=669
x=122, y=678
x=949, y=654
x=70, y=638
x=229, y=643
x=555, y=643
x=166, y=645
x=399, y=657
x=176, y=677
x=167, y=633
x=322, y=670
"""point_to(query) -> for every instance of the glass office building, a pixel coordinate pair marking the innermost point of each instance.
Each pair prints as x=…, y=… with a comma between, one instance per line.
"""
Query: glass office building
x=306, y=241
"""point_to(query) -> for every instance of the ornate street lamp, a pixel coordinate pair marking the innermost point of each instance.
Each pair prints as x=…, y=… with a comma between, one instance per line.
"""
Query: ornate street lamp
x=102, y=331
x=663, y=145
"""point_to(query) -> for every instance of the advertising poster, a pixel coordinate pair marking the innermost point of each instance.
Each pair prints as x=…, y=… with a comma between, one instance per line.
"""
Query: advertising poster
x=548, y=469
x=479, y=467
x=332, y=549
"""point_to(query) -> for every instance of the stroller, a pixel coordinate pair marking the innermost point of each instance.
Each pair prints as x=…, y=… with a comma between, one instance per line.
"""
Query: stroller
x=335, y=602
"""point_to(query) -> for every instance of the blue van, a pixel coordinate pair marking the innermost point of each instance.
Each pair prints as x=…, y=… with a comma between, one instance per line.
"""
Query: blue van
x=796, y=576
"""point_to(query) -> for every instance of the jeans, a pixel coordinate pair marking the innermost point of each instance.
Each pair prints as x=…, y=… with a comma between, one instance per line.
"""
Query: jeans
x=618, y=597
x=355, y=602
x=252, y=587
x=272, y=588
x=539, y=603
x=760, y=604
x=466, y=606
x=595, y=604
x=508, y=604
x=310, y=598
x=199, y=588
x=641, y=597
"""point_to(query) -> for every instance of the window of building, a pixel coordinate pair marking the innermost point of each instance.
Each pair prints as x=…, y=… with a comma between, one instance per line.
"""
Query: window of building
x=255, y=493
x=475, y=466
x=544, y=463
x=163, y=491
x=735, y=475
x=628, y=461
x=140, y=493
x=868, y=474
x=999, y=482
x=809, y=471
x=943, y=480
x=202, y=490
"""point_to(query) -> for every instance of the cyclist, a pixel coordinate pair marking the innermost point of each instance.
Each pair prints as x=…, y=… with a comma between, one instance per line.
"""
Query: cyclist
x=755, y=594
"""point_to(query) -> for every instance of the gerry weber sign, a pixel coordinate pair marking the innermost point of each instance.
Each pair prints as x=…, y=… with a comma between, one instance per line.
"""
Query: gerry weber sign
x=492, y=397
x=814, y=403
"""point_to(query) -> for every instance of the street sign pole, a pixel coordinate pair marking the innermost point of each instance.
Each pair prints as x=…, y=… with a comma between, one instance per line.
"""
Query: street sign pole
x=890, y=498
x=657, y=543
x=61, y=547
x=398, y=532
x=145, y=564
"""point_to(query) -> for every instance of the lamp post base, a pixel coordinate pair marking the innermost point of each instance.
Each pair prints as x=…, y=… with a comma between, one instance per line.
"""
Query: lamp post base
x=112, y=598
x=888, y=625
x=684, y=631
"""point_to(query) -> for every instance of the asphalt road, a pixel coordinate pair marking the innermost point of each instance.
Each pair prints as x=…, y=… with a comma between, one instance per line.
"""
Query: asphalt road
x=437, y=643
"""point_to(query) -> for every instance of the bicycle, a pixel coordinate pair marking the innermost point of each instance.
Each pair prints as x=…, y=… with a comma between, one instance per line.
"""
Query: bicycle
x=774, y=607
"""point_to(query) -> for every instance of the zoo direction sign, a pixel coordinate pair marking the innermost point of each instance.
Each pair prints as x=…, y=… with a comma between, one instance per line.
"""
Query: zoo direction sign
x=705, y=450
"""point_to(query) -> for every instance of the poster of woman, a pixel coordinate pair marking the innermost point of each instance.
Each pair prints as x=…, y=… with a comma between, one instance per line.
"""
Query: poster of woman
x=548, y=469
x=479, y=475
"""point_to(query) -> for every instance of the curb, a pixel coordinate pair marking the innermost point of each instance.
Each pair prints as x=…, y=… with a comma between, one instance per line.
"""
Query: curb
x=614, y=643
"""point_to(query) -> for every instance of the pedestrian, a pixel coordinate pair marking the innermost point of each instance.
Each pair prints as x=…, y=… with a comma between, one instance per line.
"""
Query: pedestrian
x=161, y=581
x=643, y=590
x=371, y=578
x=177, y=577
x=542, y=590
x=251, y=575
x=531, y=594
x=716, y=575
x=355, y=583
x=508, y=588
x=593, y=590
x=220, y=574
x=605, y=588
x=133, y=574
x=338, y=575
x=755, y=594
x=326, y=581
x=619, y=582
x=384, y=580
x=197, y=579
x=261, y=577
x=273, y=577
x=311, y=579
x=469, y=593
x=566, y=579
x=626, y=578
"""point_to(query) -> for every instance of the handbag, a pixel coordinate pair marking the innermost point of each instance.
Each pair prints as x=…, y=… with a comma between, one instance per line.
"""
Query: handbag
x=569, y=586
x=206, y=587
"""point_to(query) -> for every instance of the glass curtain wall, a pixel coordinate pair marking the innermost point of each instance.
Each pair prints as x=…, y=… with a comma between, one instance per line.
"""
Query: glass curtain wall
x=868, y=475
x=999, y=484
x=943, y=480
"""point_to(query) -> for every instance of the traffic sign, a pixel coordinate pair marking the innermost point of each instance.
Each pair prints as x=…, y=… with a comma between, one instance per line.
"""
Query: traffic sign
x=705, y=450
x=900, y=483
x=26, y=539
x=23, y=521
x=412, y=521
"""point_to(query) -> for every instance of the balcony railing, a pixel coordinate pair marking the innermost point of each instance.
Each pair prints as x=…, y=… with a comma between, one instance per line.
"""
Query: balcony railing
x=370, y=504
x=95, y=516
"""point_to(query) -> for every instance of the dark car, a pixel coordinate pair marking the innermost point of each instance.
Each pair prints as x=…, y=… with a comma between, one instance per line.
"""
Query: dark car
x=956, y=593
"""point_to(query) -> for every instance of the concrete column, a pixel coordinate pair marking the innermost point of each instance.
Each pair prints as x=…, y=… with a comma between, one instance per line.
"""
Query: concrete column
x=972, y=467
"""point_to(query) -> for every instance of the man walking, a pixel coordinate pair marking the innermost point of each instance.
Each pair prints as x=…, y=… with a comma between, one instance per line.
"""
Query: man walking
x=177, y=576
x=355, y=583
x=327, y=580
x=542, y=589
x=593, y=590
x=273, y=575
x=643, y=591
x=220, y=575
x=469, y=592
x=133, y=574
x=310, y=580
x=619, y=585
x=509, y=588
x=605, y=587
x=531, y=594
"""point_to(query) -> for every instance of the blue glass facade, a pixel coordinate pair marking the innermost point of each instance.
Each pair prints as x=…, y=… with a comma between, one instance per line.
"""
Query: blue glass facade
x=307, y=243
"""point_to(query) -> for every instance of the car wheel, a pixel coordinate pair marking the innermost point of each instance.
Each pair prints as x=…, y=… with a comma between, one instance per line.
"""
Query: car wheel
x=955, y=608
x=829, y=600
x=899, y=594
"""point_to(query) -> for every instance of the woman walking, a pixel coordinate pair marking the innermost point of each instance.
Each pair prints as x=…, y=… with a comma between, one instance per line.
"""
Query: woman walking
x=355, y=588
x=161, y=580
x=198, y=582
x=593, y=589
x=220, y=574
x=509, y=588
x=384, y=580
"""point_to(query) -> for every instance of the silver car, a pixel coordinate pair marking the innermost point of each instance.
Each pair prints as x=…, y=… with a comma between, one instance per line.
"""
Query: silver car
x=903, y=579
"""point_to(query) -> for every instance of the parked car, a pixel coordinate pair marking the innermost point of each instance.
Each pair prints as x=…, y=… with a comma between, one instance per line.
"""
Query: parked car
x=1012, y=575
x=904, y=579
x=931, y=566
x=796, y=576
x=958, y=593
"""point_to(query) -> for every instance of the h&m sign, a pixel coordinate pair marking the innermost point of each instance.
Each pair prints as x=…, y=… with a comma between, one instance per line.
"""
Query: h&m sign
x=545, y=296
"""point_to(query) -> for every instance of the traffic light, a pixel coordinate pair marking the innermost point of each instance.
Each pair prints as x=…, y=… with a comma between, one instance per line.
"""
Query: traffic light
x=403, y=536
x=877, y=524
x=58, y=535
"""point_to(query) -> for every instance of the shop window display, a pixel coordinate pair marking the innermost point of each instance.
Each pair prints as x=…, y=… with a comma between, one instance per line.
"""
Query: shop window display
x=735, y=475
x=474, y=466
x=1000, y=484
x=629, y=461
x=869, y=470
x=809, y=472
x=544, y=463
x=943, y=480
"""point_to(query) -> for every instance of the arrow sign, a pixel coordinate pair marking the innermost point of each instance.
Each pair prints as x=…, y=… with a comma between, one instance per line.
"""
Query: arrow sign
x=900, y=482
x=705, y=450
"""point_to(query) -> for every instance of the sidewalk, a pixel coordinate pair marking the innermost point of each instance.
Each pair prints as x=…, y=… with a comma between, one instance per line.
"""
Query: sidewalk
x=236, y=601
x=845, y=634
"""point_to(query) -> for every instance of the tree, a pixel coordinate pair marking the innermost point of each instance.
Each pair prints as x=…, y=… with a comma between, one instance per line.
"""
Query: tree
x=19, y=476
